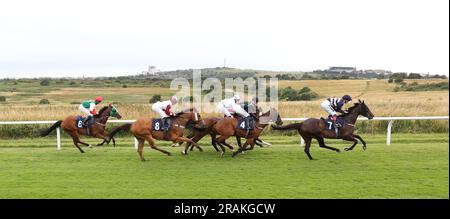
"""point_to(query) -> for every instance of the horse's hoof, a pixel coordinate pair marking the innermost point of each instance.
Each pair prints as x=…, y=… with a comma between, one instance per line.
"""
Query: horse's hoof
x=364, y=148
x=169, y=154
x=183, y=152
x=90, y=146
x=346, y=149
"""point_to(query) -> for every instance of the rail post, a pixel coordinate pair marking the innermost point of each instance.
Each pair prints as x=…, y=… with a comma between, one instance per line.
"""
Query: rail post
x=388, y=134
x=135, y=143
x=302, y=141
x=58, y=138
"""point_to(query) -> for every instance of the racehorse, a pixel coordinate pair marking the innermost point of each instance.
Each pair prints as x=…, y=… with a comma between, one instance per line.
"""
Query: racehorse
x=197, y=134
x=142, y=130
x=227, y=127
x=97, y=129
x=317, y=128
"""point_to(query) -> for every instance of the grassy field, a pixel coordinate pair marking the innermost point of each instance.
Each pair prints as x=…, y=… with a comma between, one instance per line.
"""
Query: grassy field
x=133, y=101
x=414, y=166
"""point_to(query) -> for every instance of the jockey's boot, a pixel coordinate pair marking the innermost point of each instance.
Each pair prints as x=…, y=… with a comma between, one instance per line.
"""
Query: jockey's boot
x=164, y=126
x=87, y=120
x=249, y=122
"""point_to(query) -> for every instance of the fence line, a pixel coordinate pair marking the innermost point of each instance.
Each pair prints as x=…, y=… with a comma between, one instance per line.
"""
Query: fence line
x=388, y=132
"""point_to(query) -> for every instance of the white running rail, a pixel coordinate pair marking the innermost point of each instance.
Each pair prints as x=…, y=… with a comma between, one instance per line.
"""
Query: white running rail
x=388, y=132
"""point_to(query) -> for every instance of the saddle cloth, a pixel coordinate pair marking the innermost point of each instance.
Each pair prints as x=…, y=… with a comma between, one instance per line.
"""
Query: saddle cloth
x=243, y=125
x=157, y=124
x=329, y=123
x=79, y=122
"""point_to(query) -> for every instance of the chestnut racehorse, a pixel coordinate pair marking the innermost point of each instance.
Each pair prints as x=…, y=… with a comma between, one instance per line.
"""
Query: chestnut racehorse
x=142, y=130
x=227, y=127
x=97, y=129
x=316, y=128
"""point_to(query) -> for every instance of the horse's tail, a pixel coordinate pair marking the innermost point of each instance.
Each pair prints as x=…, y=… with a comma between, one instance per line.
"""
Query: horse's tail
x=54, y=126
x=293, y=126
x=125, y=127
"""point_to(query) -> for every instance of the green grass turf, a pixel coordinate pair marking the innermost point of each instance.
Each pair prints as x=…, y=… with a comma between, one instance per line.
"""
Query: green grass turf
x=414, y=166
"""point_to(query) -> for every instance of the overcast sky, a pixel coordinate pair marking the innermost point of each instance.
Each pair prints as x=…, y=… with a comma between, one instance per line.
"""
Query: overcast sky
x=92, y=38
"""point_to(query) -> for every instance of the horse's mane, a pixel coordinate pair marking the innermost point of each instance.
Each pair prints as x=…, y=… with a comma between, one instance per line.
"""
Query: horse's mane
x=185, y=111
x=100, y=112
x=350, y=109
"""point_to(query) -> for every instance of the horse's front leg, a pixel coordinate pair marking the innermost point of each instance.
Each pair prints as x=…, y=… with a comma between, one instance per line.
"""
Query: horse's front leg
x=362, y=141
x=101, y=136
x=350, y=138
x=188, y=140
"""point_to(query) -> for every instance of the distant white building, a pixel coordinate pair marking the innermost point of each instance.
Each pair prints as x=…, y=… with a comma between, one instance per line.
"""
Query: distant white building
x=152, y=70
x=342, y=69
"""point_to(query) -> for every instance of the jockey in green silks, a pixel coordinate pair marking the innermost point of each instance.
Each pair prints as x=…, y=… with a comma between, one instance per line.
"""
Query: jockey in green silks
x=88, y=108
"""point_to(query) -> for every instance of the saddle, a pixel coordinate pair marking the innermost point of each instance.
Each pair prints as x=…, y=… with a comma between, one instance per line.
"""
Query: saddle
x=159, y=125
x=162, y=125
x=247, y=123
x=331, y=125
x=80, y=123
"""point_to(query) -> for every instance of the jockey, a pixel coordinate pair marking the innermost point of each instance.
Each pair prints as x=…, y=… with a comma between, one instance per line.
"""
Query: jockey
x=333, y=105
x=252, y=107
x=229, y=106
x=88, y=108
x=164, y=109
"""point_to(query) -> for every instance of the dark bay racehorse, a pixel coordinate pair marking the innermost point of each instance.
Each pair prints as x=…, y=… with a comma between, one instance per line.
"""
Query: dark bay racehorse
x=97, y=129
x=317, y=128
x=142, y=130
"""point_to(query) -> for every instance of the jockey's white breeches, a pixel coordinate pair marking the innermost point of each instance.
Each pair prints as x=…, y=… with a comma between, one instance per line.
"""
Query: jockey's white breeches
x=84, y=110
x=326, y=105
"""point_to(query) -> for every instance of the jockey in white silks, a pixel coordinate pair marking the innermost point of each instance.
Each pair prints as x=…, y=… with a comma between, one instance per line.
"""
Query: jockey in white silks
x=231, y=106
x=164, y=109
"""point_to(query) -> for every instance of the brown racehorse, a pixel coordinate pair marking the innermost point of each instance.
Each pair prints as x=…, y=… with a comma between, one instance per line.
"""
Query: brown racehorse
x=142, y=130
x=227, y=127
x=209, y=123
x=97, y=129
x=197, y=135
x=316, y=128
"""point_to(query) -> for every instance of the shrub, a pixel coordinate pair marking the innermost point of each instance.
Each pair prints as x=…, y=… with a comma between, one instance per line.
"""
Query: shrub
x=72, y=83
x=422, y=87
x=398, y=80
x=291, y=94
x=155, y=98
x=75, y=102
x=124, y=86
x=2, y=98
x=414, y=76
x=390, y=80
x=45, y=82
x=44, y=101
